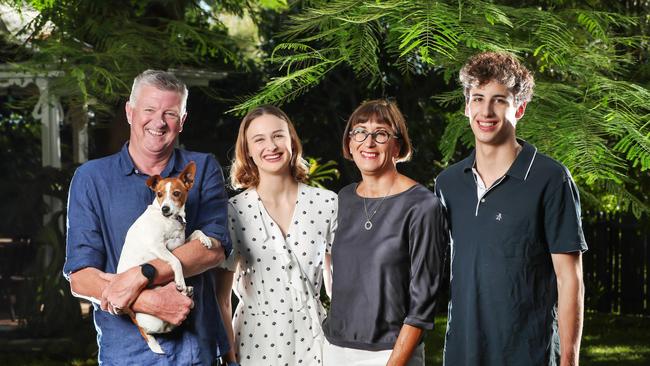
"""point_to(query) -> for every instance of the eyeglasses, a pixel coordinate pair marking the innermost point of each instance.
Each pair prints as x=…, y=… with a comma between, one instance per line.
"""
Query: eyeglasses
x=380, y=136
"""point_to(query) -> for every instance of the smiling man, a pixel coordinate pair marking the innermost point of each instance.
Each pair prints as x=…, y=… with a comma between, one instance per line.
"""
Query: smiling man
x=107, y=195
x=517, y=241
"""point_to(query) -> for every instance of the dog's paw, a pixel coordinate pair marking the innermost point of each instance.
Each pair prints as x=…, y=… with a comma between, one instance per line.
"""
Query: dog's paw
x=198, y=235
x=189, y=291
x=181, y=287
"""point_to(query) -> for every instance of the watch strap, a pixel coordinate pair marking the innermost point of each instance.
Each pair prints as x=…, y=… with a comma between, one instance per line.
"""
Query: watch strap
x=149, y=272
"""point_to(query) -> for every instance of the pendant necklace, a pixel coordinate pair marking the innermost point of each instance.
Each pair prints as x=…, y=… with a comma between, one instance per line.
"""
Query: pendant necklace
x=368, y=224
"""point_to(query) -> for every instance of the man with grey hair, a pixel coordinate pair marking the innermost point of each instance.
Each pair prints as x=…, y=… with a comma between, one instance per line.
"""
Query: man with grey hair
x=107, y=195
x=516, y=237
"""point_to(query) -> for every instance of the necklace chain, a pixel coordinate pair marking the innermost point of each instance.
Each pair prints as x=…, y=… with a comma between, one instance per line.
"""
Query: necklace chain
x=368, y=224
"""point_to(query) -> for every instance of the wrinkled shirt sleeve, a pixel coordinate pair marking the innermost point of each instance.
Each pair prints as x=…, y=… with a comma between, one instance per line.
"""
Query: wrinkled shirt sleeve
x=429, y=238
x=234, y=225
x=329, y=236
x=84, y=240
x=562, y=225
x=213, y=215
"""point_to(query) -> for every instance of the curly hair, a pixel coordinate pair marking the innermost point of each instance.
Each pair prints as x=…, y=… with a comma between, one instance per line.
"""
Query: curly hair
x=501, y=67
x=244, y=173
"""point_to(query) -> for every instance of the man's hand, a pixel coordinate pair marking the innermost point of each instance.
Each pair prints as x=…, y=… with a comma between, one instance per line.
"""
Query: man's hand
x=122, y=289
x=166, y=303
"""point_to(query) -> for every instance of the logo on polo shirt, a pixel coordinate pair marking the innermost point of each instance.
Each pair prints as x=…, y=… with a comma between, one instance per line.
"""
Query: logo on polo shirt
x=499, y=217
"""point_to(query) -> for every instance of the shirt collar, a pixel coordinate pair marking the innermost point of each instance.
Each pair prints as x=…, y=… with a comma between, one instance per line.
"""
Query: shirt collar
x=519, y=168
x=468, y=162
x=524, y=161
x=127, y=167
x=126, y=163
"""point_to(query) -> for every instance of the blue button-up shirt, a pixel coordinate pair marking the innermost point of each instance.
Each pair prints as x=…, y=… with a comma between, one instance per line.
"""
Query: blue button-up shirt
x=106, y=197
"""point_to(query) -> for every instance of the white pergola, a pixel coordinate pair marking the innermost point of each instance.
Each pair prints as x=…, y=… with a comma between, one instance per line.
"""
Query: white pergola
x=48, y=109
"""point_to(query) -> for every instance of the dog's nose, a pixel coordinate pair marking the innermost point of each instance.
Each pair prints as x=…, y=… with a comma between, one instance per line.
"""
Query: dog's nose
x=165, y=210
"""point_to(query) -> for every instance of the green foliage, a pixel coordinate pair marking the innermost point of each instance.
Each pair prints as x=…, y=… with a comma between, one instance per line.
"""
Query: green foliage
x=320, y=173
x=590, y=110
x=101, y=45
x=608, y=340
x=286, y=88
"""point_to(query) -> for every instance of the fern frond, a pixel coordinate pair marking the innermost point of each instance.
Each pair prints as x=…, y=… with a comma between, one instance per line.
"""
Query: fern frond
x=283, y=89
x=586, y=111
x=457, y=130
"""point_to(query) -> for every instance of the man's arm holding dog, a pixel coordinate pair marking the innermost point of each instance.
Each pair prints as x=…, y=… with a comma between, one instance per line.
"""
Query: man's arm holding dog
x=164, y=302
x=124, y=288
x=194, y=256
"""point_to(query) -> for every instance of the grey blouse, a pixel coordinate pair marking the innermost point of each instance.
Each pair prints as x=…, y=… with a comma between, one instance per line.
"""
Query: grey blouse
x=389, y=275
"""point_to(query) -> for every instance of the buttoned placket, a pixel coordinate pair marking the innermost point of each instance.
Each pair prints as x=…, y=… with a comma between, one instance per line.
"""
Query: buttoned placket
x=481, y=187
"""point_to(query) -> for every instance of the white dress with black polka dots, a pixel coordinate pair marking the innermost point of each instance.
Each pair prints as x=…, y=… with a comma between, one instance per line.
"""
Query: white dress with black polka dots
x=278, y=280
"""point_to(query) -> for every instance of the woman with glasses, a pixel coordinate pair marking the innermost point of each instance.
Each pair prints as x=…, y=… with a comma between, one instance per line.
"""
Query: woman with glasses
x=387, y=254
x=281, y=230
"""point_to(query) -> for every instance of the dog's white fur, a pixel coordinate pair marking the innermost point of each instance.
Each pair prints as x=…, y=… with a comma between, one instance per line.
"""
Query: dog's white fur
x=152, y=236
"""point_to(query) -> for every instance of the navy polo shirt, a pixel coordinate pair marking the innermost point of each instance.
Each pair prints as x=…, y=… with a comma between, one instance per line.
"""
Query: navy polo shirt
x=106, y=196
x=503, y=307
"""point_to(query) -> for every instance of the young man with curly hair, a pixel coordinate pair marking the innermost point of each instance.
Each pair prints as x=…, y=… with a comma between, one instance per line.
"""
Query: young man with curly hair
x=514, y=213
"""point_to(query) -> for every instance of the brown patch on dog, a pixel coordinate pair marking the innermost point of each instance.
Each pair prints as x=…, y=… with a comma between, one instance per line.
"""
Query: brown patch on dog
x=178, y=187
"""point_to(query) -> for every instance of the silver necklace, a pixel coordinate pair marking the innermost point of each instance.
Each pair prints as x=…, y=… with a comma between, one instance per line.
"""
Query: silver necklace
x=368, y=224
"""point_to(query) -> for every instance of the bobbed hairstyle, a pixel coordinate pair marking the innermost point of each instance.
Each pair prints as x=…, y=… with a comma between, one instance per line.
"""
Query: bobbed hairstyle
x=243, y=172
x=501, y=67
x=385, y=112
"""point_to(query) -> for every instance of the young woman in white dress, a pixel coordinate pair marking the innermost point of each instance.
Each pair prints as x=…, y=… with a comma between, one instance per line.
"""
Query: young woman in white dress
x=281, y=231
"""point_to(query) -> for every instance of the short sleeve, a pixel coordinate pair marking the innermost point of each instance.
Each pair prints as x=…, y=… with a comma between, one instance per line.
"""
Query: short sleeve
x=234, y=226
x=84, y=243
x=331, y=232
x=428, y=240
x=213, y=213
x=562, y=224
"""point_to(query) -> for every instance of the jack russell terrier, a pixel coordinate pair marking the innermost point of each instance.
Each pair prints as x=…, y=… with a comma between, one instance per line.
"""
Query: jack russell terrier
x=158, y=231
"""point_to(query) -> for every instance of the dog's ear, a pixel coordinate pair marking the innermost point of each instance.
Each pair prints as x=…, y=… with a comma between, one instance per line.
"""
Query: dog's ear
x=187, y=175
x=152, y=182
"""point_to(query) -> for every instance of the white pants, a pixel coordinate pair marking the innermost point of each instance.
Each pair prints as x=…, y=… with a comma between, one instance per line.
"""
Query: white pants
x=342, y=356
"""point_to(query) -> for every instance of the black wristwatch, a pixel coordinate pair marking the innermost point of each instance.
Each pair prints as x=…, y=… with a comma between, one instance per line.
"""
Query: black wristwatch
x=149, y=272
